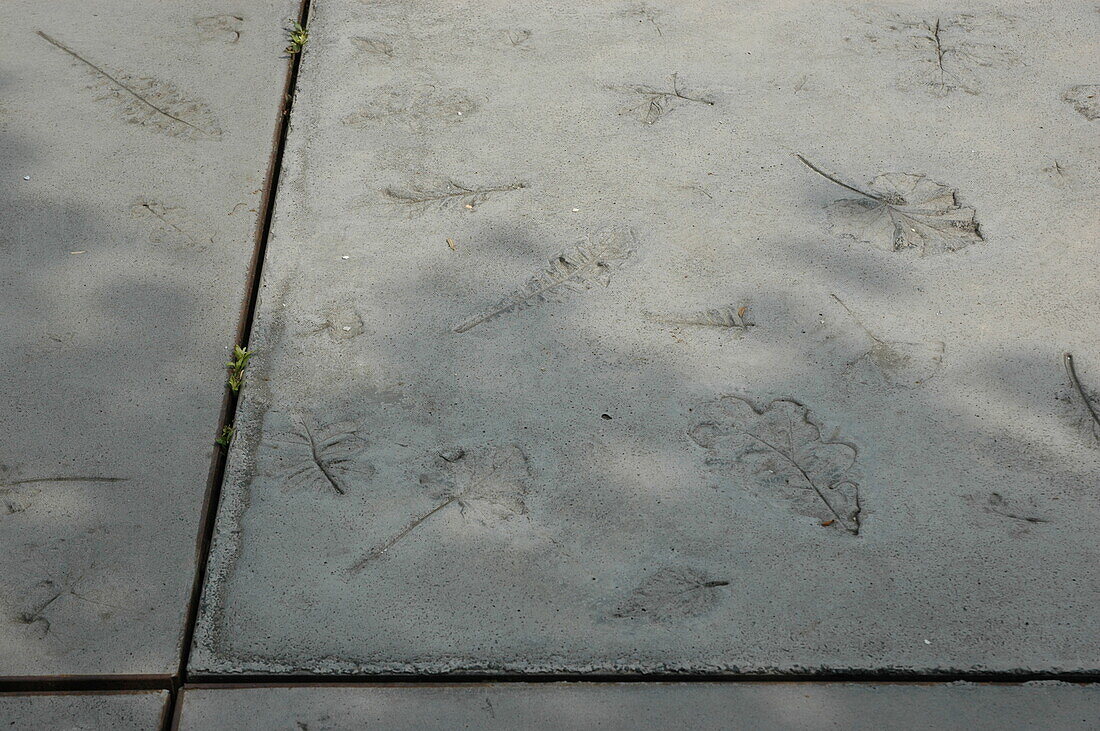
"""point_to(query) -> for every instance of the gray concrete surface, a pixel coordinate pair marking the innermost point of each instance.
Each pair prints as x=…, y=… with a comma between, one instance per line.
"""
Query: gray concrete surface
x=566, y=362
x=134, y=141
x=648, y=705
x=130, y=711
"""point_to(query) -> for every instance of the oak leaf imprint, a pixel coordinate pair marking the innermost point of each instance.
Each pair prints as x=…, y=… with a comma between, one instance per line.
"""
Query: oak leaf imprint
x=300, y=452
x=671, y=593
x=148, y=102
x=781, y=447
x=586, y=265
x=1085, y=99
x=904, y=211
x=488, y=486
x=902, y=363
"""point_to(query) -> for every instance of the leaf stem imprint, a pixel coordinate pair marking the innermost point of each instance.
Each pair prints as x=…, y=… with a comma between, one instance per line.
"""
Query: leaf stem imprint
x=118, y=83
x=1067, y=359
x=77, y=478
x=838, y=181
x=452, y=191
x=381, y=549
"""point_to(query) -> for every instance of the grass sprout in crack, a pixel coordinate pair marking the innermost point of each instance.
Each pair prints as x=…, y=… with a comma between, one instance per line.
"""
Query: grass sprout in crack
x=487, y=487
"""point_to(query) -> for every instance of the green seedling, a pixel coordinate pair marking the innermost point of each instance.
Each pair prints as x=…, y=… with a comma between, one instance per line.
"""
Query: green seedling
x=226, y=436
x=237, y=366
x=298, y=37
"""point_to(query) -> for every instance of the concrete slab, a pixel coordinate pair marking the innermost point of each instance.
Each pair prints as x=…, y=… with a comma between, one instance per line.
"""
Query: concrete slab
x=567, y=363
x=648, y=705
x=131, y=711
x=134, y=142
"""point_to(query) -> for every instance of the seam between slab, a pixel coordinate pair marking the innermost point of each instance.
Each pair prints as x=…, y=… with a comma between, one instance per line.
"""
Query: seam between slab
x=209, y=513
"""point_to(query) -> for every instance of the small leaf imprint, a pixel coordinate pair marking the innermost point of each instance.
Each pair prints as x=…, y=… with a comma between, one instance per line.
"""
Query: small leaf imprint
x=904, y=211
x=422, y=198
x=150, y=103
x=656, y=103
x=731, y=318
x=373, y=46
x=902, y=363
x=488, y=487
x=782, y=447
x=299, y=452
x=340, y=324
x=225, y=28
x=586, y=265
x=1085, y=99
x=518, y=39
x=672, y=593
x=419, y=108
x=948, y=51
x=170, y=226
x=996, y=504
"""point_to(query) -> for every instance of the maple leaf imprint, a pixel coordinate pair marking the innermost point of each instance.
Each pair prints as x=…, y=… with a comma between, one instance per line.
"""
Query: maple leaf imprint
x=671, y=593
x=303, y=453
x=904, y=211
x=488, y=487
x=586, y=265
x=902, y=363
x=782, y=447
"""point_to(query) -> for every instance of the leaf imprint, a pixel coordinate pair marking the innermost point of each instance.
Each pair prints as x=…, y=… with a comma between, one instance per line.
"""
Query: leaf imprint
x=904, y=211
x=422, y=198
x=321, y=456
x=587, y=264
x=488, y=487
x=656, y=103
x=671, y=593
x=151, y=103
x=730, y=318
x=902, y=363
x=781, y=447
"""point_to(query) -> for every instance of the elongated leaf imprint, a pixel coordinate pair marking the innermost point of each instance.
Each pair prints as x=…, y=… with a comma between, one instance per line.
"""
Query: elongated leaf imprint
x=300, y=452
x=169, y=225
x=904, y=211
x=781, y=447
x=488, y=487
x=730, y=318
x=1075, y=381
x=421, y=198
x=671, y=593
x=419, y=108
x=586, y=265
x=902, y=363
x=148, y=102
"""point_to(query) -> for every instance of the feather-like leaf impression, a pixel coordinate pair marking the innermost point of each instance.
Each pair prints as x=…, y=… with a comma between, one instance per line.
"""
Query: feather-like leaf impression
x=781, y=447
x=675, y=592
x=584, y=266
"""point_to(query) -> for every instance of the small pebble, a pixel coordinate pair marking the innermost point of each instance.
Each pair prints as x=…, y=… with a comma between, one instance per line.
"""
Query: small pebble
x=26, y=177
x=345, y=257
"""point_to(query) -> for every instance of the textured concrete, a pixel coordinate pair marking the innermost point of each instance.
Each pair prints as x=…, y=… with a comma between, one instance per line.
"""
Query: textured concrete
x=648, y=705
x=130, y=180
x=137, y=711
x=781, y=413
